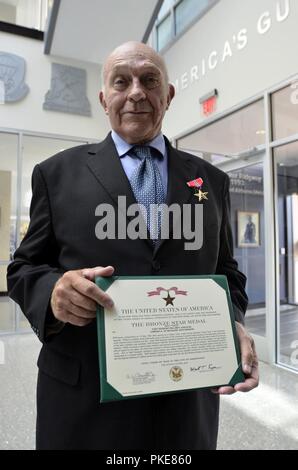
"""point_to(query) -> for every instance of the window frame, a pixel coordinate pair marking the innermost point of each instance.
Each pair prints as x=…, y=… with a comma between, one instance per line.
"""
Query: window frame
x=18, y=30
x=175, y=37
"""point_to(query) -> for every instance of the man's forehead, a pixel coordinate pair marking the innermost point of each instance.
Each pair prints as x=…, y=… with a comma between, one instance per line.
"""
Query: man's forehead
x=135, y=55
x=134, y=64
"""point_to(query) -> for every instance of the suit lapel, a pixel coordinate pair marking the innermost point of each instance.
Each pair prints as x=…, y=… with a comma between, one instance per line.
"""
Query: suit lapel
x=105, y=164
x=181, y=169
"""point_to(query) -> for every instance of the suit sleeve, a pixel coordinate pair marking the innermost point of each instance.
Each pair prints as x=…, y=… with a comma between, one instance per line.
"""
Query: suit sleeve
x=34, y=270
x=227, y=264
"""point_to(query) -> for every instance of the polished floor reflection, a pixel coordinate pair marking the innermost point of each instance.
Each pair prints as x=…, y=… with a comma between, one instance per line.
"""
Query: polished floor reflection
x=288, y=334
x=7, y=315
x=266, y=418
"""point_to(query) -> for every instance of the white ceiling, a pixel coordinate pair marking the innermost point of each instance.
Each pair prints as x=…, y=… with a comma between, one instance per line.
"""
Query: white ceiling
x=89, y=30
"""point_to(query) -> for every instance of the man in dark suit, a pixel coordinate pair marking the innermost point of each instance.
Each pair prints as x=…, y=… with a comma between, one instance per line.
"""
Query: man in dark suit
x=52, y=273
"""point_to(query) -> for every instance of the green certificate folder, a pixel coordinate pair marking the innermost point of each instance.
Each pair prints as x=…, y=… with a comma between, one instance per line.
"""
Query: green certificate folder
x=166, y=334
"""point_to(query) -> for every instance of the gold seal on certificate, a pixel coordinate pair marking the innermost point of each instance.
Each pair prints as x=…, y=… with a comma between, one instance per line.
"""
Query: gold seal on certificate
x=165, y=335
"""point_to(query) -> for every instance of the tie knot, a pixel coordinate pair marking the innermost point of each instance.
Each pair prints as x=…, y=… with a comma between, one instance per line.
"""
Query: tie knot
x=142, y=151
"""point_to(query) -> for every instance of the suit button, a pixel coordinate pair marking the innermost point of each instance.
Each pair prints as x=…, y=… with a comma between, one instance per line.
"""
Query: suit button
x=156, y=265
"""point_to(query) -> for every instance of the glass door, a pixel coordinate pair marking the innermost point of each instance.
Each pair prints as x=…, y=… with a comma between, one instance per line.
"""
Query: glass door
x=236, y=145
x=35, y=149
x=286, y=209
x=8, y=220
x=248, y=225
x=18, y=155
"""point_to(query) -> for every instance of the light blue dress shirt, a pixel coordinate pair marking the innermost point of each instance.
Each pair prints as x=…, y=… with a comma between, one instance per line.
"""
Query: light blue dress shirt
x=130, y=162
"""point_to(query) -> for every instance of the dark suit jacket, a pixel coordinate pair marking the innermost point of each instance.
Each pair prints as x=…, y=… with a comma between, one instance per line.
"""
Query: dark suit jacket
x=66, y=190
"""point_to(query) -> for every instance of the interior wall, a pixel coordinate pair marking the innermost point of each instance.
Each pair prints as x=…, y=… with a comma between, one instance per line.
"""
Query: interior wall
x=7, y=13
x=239, y=48
x=28, y=114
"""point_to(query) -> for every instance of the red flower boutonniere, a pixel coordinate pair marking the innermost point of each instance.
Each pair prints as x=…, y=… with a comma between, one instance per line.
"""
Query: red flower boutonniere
x=197, y=185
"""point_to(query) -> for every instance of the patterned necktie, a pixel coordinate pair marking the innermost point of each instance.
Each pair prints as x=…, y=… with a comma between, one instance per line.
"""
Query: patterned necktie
x=148, y=189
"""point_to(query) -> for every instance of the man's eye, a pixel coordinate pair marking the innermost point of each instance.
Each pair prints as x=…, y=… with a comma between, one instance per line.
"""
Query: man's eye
x=151, y=81
x=119, y=82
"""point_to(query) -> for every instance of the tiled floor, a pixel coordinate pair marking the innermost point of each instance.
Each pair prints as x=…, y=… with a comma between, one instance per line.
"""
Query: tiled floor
x=266, y=418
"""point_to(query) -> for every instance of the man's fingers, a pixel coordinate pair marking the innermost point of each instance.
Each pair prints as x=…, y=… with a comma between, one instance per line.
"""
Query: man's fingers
x=91, y=273
x=223, y=390
x=250, y=383
x=89, y=289
x=247, y=355
x=82, y=301
x=80, y=312
x=76, y=321
x=74, y=294
x=249, y=365
x=246, y=386
x=247, y=348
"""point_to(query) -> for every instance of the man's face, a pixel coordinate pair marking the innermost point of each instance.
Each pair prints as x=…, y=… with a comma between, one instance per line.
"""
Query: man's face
x=136, y=93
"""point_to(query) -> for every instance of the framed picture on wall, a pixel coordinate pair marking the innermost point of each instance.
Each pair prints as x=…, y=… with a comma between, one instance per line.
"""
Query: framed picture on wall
x=248, y=229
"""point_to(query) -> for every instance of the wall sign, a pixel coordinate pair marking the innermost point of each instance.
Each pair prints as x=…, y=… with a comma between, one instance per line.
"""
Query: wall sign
x=12, y=78
x=243, y=182
x=68, y=91
x=233, y=45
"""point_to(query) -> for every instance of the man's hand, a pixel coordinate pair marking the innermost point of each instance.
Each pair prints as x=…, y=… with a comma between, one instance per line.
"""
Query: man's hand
x=249, y=361
x=75, y=296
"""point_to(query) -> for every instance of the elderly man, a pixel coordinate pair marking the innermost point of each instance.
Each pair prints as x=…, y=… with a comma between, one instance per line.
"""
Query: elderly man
x=52, y=273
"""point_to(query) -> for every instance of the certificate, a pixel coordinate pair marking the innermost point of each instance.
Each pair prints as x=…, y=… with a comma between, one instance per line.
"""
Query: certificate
x=165, y=335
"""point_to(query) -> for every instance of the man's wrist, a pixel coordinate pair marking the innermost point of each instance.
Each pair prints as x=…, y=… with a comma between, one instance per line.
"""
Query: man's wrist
x=52, y=324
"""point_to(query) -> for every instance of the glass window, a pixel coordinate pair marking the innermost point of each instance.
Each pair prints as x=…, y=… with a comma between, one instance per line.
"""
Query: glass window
x=285, y=111
x=180, y=14
x=247, y=217
x=239, y=134
x=29, y=13
x=236, y=144
x=286, y=170
x=165, y=8
x=14, y=217
x=164, y=33
x=186, y=11
x=8, y=215
x=35, y=149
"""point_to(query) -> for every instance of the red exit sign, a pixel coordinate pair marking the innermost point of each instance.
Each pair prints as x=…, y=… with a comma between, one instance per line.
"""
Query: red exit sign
x=208, y=102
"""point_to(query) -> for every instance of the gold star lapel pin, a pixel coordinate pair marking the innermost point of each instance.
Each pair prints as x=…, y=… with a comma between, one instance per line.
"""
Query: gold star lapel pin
x=201, y=195
x=197, y=185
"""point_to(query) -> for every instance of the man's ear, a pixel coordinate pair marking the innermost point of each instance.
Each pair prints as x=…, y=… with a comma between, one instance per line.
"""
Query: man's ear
x=171, y=94
x=103, y=101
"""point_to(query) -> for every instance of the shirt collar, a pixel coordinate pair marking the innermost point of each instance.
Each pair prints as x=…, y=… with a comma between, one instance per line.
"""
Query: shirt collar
x=123, y=147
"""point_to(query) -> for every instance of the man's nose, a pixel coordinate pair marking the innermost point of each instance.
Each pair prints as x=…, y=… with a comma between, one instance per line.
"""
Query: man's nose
x=136, y=92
